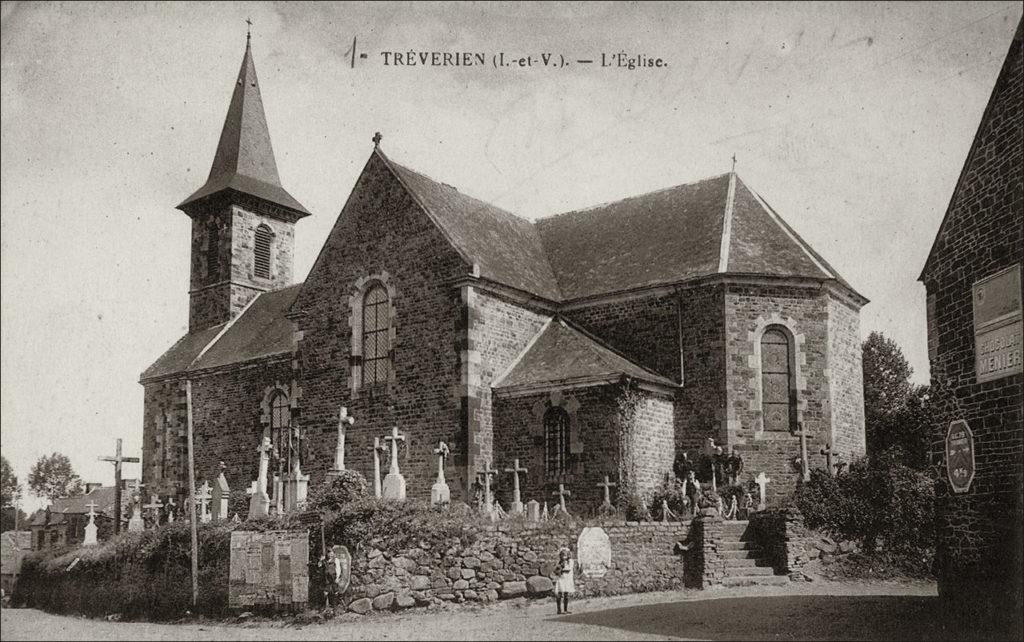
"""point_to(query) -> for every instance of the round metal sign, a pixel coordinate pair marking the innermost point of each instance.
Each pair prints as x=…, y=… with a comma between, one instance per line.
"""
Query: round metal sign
x=960, y=456
x=345, y=577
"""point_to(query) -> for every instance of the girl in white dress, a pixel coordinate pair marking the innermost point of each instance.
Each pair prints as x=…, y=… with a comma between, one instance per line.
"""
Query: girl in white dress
x=565, y=584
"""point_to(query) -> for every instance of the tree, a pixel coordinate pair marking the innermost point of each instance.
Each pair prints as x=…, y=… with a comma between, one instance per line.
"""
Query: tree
x=10, y=496
x=897, y=414
x=10, y=489
x=52, y=477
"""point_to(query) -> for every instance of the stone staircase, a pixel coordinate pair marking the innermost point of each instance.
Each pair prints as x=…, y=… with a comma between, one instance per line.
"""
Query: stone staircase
x=745, y=562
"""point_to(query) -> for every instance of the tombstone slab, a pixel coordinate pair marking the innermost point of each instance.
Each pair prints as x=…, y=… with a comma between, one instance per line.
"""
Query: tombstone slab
x=533, y=510
x=594, y=552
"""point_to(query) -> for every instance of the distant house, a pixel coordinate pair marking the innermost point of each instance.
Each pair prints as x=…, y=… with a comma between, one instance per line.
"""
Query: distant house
x=62, y=523
x=13, y=546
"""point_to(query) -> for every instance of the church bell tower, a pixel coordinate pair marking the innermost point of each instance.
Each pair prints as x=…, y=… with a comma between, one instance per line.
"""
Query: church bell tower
x=243, y=220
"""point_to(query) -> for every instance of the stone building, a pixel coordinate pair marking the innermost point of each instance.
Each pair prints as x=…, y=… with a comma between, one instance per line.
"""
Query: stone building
x=597, y=342
x=62, y=524
x=973, y=282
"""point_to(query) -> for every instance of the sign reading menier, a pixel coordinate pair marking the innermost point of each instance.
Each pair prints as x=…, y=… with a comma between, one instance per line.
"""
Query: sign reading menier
x=997, y=325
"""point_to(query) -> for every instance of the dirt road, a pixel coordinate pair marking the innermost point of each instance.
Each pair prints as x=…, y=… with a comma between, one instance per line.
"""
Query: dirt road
x=819, y=610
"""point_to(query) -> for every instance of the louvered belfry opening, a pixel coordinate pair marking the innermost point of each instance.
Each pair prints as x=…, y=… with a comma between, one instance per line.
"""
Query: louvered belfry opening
x=261, y=254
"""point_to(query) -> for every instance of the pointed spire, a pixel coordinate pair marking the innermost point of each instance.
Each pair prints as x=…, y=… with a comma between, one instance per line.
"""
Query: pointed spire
x=245, y=160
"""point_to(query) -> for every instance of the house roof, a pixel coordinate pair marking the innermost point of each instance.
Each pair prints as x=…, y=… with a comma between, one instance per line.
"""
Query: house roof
x=505, y=247
x=244, y=161
x=260, y=330
x=563, y=354
x=78, y=505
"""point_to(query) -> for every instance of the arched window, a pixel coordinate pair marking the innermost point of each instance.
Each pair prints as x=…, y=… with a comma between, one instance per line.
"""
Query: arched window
x=213, y=251
x=280, y=423
x=778, y=394
x=556, y=441
x=376, y=336
x=261, y=254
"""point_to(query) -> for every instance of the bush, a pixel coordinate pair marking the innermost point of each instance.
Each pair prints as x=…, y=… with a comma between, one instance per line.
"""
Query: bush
x=671, y=492
x=392, y=526
x=342, y=488
x=878, y=501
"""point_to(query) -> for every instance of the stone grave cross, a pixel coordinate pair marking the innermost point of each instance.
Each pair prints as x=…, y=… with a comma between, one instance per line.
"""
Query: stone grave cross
x=562, y=493
x=805, y=469
x=117, y=460
x=135, y=522
x=440, y=494
x=90, y=528
x=204, y=494
x=762, y=481
x=171, y=507
x=488, y=500
x=344, y=421
x=155, y=505
x=394, y=482
x=826, y=450
x=607, y=485
x=517, y=503
x=377, y=450
x=220, y=495
x=259, y=503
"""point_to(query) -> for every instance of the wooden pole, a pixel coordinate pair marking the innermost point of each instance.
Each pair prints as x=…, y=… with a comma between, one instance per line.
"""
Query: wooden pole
x=192, y=496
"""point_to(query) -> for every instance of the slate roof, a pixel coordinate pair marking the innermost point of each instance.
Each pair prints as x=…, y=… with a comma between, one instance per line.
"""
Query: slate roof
x=260, y=330
x=716, y=225
x=244, y=161
x=564, y=354
x=103, y=496
x=506, y=248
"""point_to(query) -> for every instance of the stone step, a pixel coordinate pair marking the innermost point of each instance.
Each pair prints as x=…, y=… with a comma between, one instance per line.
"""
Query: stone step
x=746, y=563
x=737, y=545
x=740, y=553
x=755, y=580
x=739, y=571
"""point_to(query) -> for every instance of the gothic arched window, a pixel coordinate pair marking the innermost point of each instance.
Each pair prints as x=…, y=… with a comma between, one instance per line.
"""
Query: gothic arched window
x=376, y=336
x=556, y=441
x=778, y=394
x=261, y=253
x=280, y=422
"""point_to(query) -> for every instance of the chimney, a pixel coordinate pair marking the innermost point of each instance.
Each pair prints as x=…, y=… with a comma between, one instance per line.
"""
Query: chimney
x=91, y=486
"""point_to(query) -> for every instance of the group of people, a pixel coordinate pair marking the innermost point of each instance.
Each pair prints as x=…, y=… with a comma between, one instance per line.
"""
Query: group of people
x=713, y=467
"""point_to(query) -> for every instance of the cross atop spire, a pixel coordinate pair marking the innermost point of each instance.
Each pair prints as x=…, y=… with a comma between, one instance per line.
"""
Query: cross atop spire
x=734, y=163
x=376, y=139
x=248, y=30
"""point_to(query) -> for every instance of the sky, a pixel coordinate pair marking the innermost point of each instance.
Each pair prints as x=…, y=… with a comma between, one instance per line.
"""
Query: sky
x=851, y=119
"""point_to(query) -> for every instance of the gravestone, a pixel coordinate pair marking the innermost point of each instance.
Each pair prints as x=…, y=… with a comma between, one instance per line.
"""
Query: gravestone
x=154, y=505
x=135, y=522
x=607, y=486
x=341, y=552
x=204, y=494
x=762, y=481
x=220, y=494
x=90, y=528
x=259, y=503
x=440, y=494
x=517, y=504
x=268, y=568
x=533, y=510
x=394, y=482
x=594, y=552
x=561, y=493
x=488, y=499
x=344, y=421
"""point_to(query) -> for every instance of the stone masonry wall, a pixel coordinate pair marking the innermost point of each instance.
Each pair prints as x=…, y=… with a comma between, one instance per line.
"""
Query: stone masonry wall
x=381, y=231
x=515, y=561
x=498, y=334
x=846, y=380
x=700, y=411
x=226, y=416
x=643, y=328
x=979, y=545
x=593, y=417
x=804, y=313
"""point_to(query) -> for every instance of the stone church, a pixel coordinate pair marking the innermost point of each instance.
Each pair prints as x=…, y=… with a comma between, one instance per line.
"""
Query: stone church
x=596, y=342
